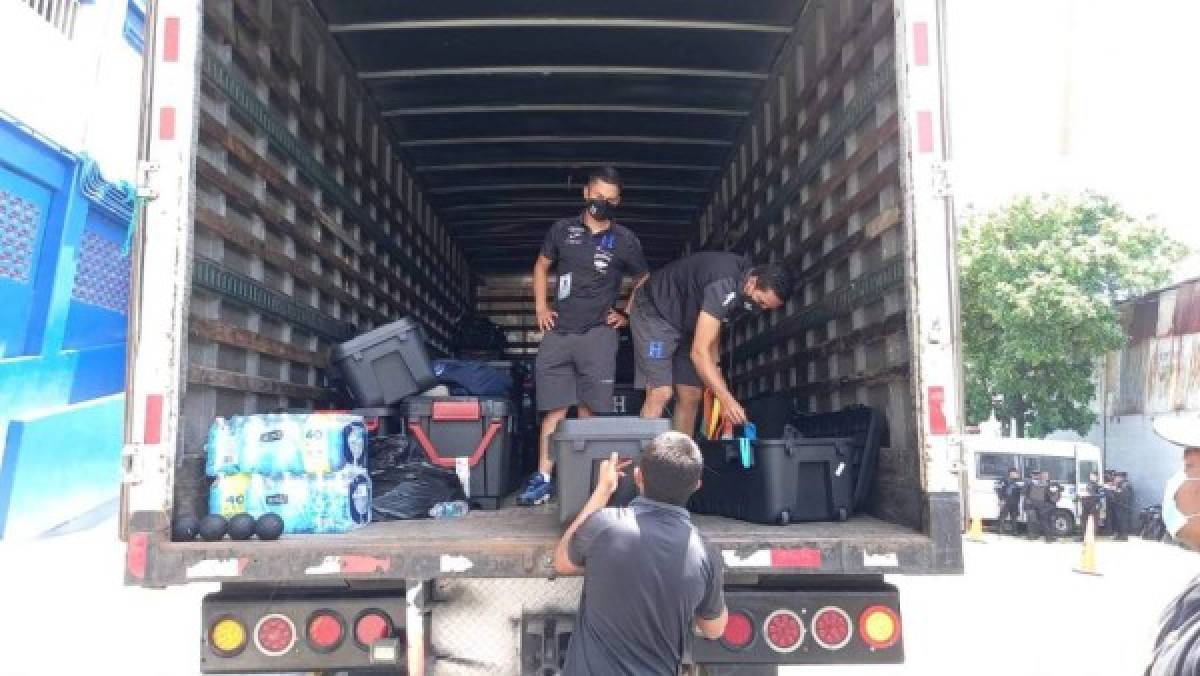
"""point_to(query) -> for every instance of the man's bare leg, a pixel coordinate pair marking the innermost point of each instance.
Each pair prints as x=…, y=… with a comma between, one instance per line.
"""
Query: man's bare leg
x=657, y=398
x=550, y=422
x=687, y=403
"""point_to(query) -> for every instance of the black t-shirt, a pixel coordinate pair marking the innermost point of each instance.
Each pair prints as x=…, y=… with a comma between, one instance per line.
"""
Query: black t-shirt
x=710, y=281
x=647, y=575
x=590, y=267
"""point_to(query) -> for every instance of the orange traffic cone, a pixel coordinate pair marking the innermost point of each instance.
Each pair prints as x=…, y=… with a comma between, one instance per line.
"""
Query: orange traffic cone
x=1087, y=562
x=975, y=533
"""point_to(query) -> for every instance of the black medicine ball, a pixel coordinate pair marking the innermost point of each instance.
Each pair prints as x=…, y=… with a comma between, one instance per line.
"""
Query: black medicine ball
x=270, y=527
x=241, y=527
x=184, y=528
x=212, y=527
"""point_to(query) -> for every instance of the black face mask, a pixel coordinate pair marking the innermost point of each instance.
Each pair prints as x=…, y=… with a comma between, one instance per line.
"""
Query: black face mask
x=747, y=307
x=601, y=209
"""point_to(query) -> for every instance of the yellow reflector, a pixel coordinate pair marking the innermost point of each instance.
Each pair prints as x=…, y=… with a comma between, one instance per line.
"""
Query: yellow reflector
x=879, y=627
x=228, y=637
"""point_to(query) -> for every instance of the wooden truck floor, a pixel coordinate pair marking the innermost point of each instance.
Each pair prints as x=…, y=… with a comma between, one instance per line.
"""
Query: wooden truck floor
x=519, y=542
x=540, y=525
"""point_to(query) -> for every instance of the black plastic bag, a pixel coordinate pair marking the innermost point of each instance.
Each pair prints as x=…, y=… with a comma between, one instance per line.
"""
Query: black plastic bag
x=391, y=451
x=416, y=488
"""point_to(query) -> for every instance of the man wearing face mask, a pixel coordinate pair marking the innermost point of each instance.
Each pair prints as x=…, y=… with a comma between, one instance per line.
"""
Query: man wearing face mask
x=576, y=361
x=1120, y=506
x=676, y=320
x=1177, y=647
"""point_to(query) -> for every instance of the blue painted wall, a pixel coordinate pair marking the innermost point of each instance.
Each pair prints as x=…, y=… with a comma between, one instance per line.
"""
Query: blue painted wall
x=61, y=463
x=64, y=290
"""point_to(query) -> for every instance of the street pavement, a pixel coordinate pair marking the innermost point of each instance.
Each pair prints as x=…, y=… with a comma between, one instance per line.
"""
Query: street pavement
x=1019, y=610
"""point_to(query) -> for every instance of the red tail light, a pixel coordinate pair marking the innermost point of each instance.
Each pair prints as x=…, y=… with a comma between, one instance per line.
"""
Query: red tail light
x=783, y=631
x=739, y=631
x=831, y=628
x=371, y=626
x=325, y=631
x=274, y=635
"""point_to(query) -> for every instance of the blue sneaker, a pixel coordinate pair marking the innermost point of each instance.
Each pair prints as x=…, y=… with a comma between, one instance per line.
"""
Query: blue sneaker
x=537, y=491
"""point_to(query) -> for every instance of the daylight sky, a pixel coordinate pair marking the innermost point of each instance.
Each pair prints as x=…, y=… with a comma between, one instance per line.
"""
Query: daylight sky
x=1050, y=95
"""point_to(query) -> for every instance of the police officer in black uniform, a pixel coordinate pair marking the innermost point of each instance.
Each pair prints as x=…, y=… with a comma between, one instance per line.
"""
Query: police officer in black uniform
x=1008, y=490
x=1120, y=506
x=1089, y=503
x=1041, y=501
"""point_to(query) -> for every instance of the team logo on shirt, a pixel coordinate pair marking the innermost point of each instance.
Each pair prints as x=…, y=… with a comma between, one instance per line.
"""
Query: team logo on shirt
x=605, y=244
x=729, y=299
x=601, y=260
x=575, y=234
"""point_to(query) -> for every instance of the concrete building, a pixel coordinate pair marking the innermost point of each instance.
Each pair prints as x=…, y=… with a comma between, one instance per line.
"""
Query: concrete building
x=69, y=110
x=1157, y=374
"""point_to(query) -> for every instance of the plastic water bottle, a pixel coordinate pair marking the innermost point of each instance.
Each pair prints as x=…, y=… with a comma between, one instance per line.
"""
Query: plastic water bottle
x=230, y=494
x=341, y=501
x=284, y=494
x=223, y=447
x=272, y=444
x=331, y=442
x=449, y=510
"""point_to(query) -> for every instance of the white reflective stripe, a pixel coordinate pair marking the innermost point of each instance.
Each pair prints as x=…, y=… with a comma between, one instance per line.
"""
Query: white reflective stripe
x=887, y=560
x=214, y=568
x=329, y=565
x=462, y=467
x=455, y=564
x=759, y=559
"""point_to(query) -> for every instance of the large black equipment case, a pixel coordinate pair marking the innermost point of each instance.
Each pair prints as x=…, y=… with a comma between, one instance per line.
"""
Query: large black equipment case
x=470, y=435
x=787, y=480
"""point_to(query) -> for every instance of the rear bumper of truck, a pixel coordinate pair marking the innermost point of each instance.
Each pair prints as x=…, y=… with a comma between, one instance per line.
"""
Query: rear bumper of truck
x=519, y=543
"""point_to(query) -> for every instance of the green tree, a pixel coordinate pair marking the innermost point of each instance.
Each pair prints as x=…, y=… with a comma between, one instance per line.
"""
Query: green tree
x=1040, y=281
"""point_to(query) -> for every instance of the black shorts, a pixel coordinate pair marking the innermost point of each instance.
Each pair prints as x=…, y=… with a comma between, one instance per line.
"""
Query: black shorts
x=662, y=353
x=577, y=368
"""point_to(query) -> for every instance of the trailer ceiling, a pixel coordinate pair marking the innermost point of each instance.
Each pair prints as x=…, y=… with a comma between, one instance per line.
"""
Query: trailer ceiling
x=503, y=107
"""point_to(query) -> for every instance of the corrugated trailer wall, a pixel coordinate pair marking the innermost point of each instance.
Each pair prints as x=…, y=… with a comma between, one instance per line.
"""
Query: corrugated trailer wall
x=815, y=182
x=1158, y=372
x=307, y=225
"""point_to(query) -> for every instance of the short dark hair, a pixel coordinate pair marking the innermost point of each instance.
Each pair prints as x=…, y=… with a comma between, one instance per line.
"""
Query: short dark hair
x=605, y=174
x=671, y=468
x=775, y=277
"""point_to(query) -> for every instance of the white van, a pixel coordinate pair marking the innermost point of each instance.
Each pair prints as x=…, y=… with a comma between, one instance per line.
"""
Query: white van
x=989, y=459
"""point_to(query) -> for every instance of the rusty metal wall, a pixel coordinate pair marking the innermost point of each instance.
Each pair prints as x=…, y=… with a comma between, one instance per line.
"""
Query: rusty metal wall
x=1159, y=371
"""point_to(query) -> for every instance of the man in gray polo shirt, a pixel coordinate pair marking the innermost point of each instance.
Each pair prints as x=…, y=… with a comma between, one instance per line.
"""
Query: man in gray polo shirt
x=649, y=578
